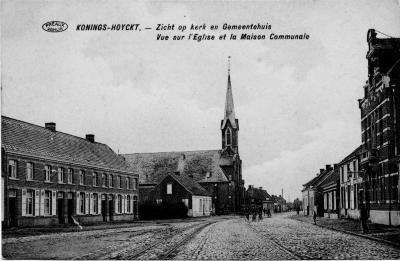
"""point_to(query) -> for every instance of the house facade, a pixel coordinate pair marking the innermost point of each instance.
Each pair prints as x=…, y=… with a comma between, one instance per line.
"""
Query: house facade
x=176, y=188
x=330, y=190
x=351, y=184
x=218, y=171
x=50, y=177
x=380, y=129
x=312, y=193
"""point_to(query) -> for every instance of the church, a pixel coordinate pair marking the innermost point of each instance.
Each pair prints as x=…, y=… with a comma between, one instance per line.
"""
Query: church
x=215, y=175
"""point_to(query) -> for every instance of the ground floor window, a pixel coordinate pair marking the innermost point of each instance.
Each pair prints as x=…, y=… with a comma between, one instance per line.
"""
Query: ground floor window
x=128, y=202
x=29, y=202
x=119, y=204
x=82, y=203
x=47, y=203
x=96, y=203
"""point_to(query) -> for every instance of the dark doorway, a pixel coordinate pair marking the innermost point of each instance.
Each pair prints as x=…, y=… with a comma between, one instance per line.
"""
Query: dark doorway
x=12, y=206
x=60, y=210
x=111, y=208
x=70, y=210
x=135, y=207
x=104, y=209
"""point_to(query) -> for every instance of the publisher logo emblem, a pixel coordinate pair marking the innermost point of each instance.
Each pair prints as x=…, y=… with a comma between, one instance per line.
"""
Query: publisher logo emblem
x=55, y=26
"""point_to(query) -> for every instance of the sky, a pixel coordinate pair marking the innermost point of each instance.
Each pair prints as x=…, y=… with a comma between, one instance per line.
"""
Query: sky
x=296, y=100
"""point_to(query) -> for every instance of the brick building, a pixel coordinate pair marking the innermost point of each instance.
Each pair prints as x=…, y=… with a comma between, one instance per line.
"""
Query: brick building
x=380, y=117
x=218, y=171
x=330, y=190
x=50, y=177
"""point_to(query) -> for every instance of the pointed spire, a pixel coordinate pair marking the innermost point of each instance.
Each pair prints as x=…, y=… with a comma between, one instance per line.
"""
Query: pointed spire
x=229, y=107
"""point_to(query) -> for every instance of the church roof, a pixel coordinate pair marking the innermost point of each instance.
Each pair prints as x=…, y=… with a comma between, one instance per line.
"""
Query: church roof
x=229, y=107
x=32, y=140
x=204, y=165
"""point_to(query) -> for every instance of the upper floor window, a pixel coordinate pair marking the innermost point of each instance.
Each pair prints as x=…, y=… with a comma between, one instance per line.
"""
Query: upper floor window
x=70, y=176
x=29, y=171
x=169, y=189
x=95, y=179
x=47, y=173
x=60, y=175
x=12, y=168
x=81, y=177
x=110, y=181
x=228, y=137
x=119, y=181
x=134, y=185
x=103, y=180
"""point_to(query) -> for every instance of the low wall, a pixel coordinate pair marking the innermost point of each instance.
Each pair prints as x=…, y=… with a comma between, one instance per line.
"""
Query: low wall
x=382, y=217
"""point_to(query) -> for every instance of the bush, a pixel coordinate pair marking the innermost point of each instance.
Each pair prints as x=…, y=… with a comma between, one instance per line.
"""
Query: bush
x=165, y=210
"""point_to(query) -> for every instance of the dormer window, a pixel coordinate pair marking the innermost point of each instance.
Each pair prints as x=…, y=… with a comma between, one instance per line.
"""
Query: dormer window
x=228, y=136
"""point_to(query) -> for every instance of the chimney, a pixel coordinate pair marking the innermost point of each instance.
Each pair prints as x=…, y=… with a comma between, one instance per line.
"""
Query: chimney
x=321, y=170
x=335, y=166
x=260, y=188
x=328, y=167
x=51, y=126
x=90, y=137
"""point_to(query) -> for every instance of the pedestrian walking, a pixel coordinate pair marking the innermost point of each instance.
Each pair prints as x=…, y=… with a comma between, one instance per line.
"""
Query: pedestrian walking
x=260, y=215
x=254, y=217
x=248, y=215
x=315, y=217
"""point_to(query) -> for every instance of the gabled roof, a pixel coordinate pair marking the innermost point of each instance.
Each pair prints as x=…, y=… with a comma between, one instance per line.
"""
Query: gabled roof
x=316, y=181
x=332, y=178
x=32, y=140
x=353, y=154
x=154, y=167
x=190, y=185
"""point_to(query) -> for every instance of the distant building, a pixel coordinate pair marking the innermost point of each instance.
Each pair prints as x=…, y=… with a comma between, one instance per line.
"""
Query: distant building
x=50, y=177
x=350, y=185
x=380, y=126
x=257, y=196
x=218, y=171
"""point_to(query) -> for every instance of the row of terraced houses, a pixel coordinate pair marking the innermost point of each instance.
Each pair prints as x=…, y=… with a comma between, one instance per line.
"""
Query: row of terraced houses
x=50, y=177
x=369, y=176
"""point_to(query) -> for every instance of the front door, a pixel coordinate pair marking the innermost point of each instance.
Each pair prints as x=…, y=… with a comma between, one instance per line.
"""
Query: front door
x=12, y=206
x=60, y=210
x=70, y=210
x=111, y=208
x=104, y=209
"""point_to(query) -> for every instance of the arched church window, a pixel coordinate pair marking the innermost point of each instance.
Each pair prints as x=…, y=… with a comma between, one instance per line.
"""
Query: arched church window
x=228, y=137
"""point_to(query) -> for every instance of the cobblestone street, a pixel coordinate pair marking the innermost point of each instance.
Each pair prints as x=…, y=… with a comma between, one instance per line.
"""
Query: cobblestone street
x=232, y=237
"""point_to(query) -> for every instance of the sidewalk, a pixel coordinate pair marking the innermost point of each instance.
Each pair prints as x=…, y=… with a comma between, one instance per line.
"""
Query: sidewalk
x=377, y=232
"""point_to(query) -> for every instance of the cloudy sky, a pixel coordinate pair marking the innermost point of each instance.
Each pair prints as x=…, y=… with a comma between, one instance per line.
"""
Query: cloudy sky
x=296, y=100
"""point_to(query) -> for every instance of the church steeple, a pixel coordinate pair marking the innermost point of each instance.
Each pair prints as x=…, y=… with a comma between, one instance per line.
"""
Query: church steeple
x=229, y=125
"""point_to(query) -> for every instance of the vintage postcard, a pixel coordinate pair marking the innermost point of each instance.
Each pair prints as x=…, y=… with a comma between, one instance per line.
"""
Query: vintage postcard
x=213, y=130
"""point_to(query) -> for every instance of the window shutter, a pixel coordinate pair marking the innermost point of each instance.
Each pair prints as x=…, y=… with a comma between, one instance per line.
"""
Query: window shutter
x=99, y=204
x=78, y=202
x=87, y=203
x=53, y=202
x=23, y=202
x=91, y=203
x=41, y=203
x=37, y=202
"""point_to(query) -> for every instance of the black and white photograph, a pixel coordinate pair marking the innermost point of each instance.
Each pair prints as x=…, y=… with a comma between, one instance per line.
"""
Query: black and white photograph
x=200, y=130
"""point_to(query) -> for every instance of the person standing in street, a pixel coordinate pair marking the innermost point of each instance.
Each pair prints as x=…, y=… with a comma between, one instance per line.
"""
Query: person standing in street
x=315, y=217
x=364, y=219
